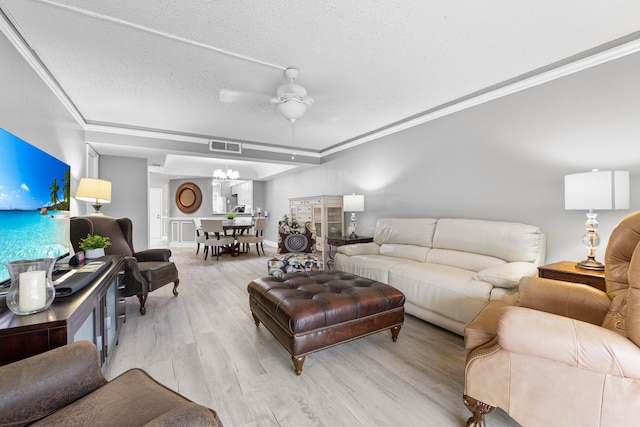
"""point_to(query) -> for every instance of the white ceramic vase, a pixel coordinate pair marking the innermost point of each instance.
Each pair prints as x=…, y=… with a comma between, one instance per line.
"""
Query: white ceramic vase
x=94, y=253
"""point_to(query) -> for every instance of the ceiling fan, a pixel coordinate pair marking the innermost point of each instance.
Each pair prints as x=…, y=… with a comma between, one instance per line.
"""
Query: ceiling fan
x=291, y=98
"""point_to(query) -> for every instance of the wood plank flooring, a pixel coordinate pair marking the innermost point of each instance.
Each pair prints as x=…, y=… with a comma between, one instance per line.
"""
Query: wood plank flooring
x=205, y=345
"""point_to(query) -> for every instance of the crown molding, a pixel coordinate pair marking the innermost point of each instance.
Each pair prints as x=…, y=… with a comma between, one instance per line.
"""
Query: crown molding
x=537, y=77
x=21, y=45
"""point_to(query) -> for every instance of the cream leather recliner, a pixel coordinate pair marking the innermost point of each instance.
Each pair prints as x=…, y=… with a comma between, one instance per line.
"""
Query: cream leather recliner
x=566, y=354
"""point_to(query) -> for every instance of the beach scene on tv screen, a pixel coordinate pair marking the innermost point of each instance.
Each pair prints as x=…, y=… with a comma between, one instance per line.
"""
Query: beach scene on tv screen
x=34, y=203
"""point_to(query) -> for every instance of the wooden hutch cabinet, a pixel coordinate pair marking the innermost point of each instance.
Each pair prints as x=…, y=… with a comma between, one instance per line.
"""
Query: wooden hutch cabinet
x=95, y=313
x=327, y=215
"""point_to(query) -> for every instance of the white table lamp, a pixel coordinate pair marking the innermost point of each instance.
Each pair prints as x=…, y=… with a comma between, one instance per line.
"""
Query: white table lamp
x=353, y=203
x=94, y=190
x=590, y=191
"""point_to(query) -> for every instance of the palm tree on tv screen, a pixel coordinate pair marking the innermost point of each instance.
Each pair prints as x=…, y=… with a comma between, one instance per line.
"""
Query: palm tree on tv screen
x=66, y=187
x=54, y=192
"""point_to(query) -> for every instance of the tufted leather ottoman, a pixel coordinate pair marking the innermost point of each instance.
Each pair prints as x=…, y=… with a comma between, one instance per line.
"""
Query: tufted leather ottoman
x=313, y=310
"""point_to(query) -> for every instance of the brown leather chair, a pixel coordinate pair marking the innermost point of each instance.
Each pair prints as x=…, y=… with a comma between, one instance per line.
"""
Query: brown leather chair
x=65, y=387
x=145, y=271
x=567, y=353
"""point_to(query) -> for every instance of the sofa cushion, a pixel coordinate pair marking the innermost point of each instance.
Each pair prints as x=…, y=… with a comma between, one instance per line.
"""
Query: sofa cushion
x=406, y=231
x=465, y=260
x=412, y=252
x=442, y=289
x=505, y=240
x=375, y=267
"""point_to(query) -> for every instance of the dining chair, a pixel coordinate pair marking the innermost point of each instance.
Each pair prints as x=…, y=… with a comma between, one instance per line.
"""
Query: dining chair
x=215, y=237
x=256, y=238
x=200, y=237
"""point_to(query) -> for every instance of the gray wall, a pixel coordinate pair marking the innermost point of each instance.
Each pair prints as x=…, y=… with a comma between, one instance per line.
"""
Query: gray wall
x=503, y=160
x=29, y=110
x=259, y=196
x=129, y=194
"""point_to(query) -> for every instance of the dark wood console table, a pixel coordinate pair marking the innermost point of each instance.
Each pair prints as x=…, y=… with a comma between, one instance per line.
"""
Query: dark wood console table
x=568, y=272
x=94, y=313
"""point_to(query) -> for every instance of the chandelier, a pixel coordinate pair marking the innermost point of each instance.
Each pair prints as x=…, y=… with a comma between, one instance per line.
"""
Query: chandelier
x=229, y=175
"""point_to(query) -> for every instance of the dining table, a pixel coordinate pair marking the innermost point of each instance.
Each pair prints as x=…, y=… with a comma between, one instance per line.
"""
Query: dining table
x=236, y=228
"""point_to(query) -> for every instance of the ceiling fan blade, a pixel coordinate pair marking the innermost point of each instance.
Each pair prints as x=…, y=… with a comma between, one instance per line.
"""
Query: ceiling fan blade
x=230, y=95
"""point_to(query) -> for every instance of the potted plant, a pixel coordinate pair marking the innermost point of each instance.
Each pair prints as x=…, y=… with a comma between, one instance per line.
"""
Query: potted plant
x=93, y=245
x=231, y=216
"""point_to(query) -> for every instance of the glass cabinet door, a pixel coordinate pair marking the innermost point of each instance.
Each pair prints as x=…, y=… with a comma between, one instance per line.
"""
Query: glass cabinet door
x=90, y=332
x=111, y=317
x=334, y=221
x=317, y=220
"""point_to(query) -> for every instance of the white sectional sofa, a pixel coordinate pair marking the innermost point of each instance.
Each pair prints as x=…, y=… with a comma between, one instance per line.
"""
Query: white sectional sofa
x=447, y=268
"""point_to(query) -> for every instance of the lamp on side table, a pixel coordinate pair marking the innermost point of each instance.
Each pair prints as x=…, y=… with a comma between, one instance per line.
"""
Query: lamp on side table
x=353, y=203
x=590, y=191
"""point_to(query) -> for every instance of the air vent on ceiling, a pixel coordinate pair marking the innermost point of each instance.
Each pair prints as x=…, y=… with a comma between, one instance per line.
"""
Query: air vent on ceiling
x=227, y=147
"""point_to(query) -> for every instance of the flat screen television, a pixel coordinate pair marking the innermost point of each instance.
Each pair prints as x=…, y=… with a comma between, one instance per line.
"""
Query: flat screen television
x=34, y=203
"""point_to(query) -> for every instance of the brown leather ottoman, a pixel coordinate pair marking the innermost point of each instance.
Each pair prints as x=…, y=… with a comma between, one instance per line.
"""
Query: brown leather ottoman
x=314, y=310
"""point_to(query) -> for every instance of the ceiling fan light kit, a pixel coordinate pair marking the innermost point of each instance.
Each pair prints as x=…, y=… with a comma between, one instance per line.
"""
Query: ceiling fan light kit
x=292, y=110
x=291, y=98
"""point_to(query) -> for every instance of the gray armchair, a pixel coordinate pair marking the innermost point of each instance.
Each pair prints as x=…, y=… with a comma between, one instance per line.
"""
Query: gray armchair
x=65, y=387
x=145, y=271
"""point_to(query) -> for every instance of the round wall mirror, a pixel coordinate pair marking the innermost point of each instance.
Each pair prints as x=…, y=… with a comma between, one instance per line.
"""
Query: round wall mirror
x=188, y=197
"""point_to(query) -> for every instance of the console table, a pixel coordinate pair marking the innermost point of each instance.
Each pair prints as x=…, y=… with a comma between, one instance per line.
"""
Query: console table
x=95, y=313
x=568, y=272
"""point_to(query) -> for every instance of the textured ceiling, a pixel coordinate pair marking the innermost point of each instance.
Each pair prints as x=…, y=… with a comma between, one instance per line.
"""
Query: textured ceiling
x=159, y=65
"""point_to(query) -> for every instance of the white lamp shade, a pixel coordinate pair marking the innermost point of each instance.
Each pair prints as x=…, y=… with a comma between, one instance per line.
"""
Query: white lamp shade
x=94, y=190
x=353, y=203
x=598, y=190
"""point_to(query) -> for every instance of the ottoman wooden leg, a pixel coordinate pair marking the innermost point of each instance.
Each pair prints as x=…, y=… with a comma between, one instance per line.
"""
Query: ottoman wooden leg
x=394, y=333
x=298, y=361
x=255, y=319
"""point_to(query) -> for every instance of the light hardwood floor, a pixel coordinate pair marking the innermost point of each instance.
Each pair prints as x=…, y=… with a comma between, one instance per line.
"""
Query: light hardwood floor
x=205, y=345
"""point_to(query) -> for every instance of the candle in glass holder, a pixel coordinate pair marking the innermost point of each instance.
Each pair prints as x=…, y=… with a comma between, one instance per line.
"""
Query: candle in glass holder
x=32, y=290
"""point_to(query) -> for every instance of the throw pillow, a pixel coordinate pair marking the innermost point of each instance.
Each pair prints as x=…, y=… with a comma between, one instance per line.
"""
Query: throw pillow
x=296, y=242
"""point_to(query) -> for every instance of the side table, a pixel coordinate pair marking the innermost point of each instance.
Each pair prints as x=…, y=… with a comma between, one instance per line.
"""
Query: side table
x=341, y=241
x=568, y=272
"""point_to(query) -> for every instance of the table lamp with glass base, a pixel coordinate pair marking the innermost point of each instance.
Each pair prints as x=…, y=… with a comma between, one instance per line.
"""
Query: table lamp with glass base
x=591, y=241
x=590, y=191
